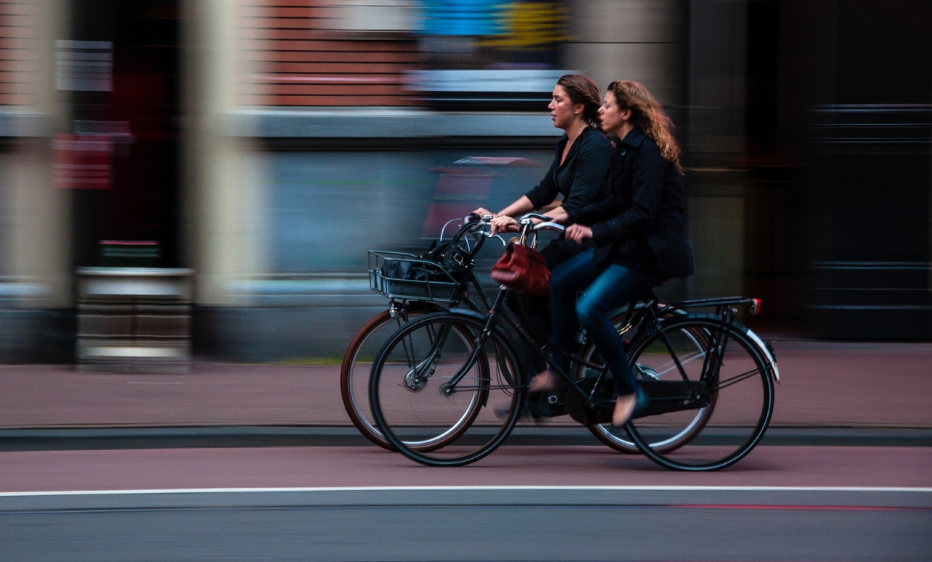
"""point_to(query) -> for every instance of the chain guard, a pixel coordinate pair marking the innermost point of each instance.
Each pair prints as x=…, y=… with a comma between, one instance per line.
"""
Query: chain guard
x=604, y=394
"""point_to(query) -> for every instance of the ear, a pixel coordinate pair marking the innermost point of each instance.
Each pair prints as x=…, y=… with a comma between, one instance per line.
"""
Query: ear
x=578, y=109
x=626, y=114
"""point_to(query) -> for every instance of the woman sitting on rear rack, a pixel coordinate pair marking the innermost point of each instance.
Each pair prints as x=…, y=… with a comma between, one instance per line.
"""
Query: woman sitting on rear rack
x=639, y=236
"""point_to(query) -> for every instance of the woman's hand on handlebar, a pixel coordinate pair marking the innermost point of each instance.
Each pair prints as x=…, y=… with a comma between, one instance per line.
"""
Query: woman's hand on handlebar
x=483, y=212
x=504, y=223
x=498, y=223
x=578, y=232
x=557, y=215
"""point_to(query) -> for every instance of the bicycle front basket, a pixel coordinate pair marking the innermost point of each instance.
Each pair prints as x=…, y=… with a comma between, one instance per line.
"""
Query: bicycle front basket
x=399, y=275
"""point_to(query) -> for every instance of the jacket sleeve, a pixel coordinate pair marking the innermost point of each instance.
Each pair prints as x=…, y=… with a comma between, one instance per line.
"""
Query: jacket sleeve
x=647, y=189
x=594, y=212
x=591, y=172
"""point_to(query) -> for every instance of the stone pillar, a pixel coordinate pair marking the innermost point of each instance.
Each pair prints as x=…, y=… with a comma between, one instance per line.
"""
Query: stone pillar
x=223, y=199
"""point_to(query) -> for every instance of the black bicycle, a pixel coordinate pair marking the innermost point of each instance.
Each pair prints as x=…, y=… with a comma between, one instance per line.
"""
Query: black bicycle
x=420, y=285
x=415, y=285
x=460, y=369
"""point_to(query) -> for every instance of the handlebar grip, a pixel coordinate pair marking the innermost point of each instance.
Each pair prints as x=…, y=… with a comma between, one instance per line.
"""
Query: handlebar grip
x=537, y=216
x=474, y=217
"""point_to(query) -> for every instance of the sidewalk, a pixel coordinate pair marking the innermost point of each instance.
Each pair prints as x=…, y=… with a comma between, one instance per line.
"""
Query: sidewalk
x=824, y=385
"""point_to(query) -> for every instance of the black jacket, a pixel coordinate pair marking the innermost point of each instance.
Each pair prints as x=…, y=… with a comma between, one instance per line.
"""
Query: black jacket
x=641, y=225
x=583, y=177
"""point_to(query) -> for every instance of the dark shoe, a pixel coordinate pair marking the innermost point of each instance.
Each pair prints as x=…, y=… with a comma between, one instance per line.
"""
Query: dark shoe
x=643, y=401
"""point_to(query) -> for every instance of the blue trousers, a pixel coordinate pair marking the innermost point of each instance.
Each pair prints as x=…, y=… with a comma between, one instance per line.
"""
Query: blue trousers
x=604, y=290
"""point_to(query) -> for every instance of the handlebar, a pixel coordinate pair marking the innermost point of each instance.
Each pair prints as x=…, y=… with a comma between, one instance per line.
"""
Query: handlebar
x=481, y=225
x=530, y=216
x=546, y=223
x=474, y=224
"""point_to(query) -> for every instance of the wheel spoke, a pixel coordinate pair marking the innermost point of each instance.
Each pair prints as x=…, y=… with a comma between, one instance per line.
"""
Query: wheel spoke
x=736, y=379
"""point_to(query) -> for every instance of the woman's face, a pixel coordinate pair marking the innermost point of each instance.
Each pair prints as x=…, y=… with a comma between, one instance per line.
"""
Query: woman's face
x=563, y=111
x=613, y=117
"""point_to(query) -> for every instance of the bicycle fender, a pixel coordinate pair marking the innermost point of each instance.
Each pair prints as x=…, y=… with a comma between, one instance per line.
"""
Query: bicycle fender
x=768, y=354
x=766, y=350
x=468, y=312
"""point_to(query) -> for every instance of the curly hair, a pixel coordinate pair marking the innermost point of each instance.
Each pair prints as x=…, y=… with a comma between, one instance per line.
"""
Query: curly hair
x=649, y=116
x=583, y=90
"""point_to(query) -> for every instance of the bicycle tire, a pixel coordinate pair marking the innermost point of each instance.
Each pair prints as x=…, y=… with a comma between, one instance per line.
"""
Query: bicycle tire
x=357, y=364
x=620, y=441
x=408, y=400
x=743, y=379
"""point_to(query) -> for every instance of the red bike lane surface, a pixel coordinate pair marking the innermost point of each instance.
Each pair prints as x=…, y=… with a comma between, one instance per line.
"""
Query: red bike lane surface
x=824, y=384
x=367, y=467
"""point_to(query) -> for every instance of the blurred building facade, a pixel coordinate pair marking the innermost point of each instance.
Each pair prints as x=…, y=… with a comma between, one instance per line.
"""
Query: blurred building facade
x=268, y=144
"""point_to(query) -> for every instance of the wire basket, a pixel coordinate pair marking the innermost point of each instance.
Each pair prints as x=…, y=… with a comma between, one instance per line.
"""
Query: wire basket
x=398, y=275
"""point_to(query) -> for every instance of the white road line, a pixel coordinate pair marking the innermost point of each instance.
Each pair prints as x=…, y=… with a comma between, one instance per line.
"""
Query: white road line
x=473, y=488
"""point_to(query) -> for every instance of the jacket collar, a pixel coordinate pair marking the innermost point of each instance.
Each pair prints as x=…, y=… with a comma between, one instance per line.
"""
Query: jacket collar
x=634, y=138
x=561, y=144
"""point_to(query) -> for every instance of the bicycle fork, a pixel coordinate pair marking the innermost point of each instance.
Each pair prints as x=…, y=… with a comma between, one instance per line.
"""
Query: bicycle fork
x=419, y=373
x=479, y=342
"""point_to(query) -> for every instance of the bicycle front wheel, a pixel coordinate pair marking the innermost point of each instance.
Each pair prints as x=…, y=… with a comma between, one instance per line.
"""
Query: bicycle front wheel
x=431, y=379
x=727, y=370
x=357, y=365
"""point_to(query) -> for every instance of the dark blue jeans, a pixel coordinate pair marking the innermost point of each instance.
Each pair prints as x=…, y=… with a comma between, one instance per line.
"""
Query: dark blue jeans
x=604, y=290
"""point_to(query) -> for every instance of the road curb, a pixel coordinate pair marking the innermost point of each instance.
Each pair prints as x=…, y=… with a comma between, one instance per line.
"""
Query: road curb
x=328, y=436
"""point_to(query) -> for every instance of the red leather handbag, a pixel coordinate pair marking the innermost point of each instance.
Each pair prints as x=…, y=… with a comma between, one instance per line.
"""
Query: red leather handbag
x=523, y=269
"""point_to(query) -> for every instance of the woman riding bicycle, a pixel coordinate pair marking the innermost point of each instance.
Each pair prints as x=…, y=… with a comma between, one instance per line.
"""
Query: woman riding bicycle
x=638, y=234
x=579, y=173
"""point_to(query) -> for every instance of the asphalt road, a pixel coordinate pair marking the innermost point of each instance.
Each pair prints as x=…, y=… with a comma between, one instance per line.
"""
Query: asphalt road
x=473, y=524
x=176, y=467
x=781, y=503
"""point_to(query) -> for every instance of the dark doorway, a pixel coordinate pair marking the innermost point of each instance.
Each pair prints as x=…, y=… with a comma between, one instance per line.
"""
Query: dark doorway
x=134, y=103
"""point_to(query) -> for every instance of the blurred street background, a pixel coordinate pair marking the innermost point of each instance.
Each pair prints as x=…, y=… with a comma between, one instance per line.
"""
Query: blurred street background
x=203, y=178
x=189, y=188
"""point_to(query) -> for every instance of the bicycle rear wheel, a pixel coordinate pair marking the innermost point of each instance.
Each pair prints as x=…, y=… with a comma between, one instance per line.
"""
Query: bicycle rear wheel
x=727, y=371
x=357, y=365
x=412, y=404
x=694, y=342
